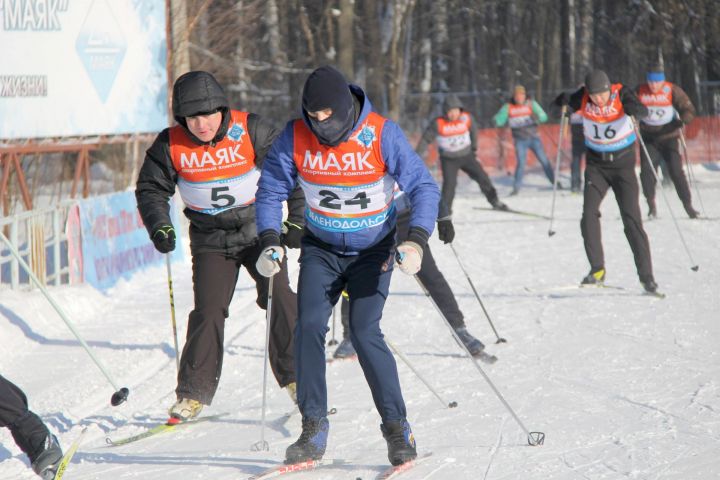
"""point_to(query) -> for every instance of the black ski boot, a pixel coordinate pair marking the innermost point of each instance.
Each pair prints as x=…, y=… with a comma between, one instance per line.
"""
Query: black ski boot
x=595, y=277
x=692, y=213
x=45, y=461
x=400, y=441
x=498, y=205
x=474, y=345
x=649, y=285
x=312, y=442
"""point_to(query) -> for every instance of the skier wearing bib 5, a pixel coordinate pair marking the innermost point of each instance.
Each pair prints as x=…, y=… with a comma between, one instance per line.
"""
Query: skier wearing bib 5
x=347, y=159
x=610, y=163
x=214, y=156
x=669, y=109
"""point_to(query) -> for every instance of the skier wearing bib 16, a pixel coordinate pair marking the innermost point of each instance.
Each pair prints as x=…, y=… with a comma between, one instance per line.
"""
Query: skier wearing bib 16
x=661, y=132
x=347, y=159
x=213, y=156
x=610, y=163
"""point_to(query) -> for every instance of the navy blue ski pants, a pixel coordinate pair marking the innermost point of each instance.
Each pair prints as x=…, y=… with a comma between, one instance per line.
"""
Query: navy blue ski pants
x=323, y=275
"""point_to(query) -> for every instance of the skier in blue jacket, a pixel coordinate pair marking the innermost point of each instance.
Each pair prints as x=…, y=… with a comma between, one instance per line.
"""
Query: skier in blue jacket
x=347, y=159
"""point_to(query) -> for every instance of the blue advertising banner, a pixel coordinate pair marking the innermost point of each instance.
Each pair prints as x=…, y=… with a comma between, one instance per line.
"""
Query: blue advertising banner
x=82, y=67
x=115, y=242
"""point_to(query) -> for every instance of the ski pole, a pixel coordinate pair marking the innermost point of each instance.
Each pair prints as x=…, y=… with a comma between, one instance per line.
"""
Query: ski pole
x=402, y=356
x=334, y=313
x=457, y=257
x=563, y=123
x=172, y=312
x=533, y=438
x=262, y=444
x=695, y=267
x=691, y=174
x=120, y=394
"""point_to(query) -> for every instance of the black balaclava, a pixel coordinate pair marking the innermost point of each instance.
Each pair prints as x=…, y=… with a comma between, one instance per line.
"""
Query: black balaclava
x=327, y=88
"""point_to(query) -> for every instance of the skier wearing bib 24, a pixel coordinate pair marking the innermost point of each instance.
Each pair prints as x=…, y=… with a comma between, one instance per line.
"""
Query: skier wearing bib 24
x=610, y=163
x=347, y=160
x=661, y=132
x=214, y=157
x=456, y=136
x=523, y=115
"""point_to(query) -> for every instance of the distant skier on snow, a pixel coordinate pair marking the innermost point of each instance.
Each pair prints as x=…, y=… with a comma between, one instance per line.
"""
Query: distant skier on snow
x=347, y=159
x=455, y=133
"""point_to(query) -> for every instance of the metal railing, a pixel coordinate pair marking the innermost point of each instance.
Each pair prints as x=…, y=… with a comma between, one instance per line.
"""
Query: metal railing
x=38, y=235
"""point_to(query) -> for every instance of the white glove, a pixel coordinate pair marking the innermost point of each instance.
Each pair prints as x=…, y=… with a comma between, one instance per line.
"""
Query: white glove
x=269, y=261
x=409, y=257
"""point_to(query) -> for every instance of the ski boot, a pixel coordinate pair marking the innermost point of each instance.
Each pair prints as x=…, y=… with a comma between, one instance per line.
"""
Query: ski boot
x=400, y=441
x=498, y=205
x=649, y=285
x=45, y=461
x=184, y=410
x=291, y=389
x=652, y=209
x=692, y=213
x=312, y=442
x=345, y=349
x=515, y=191
x=595, y=277
x=474, y=346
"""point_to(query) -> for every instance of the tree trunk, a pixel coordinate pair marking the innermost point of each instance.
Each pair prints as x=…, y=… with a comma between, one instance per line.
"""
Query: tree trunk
x=346, y=45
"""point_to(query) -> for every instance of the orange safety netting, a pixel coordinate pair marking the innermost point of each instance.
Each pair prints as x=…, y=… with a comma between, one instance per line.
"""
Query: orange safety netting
x=496, y=150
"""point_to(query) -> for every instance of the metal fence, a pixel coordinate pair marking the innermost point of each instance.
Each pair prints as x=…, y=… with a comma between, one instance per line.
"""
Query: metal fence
x=39, y=236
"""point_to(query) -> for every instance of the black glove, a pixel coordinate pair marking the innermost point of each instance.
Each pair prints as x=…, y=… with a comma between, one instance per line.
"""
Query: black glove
x=563, y=99
x=164, y=238
x=446, y=231
x=292, y=234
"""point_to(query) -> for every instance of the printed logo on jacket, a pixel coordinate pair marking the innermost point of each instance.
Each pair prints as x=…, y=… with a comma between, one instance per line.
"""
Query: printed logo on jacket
x=660, y=105
x=346, y=187
x=216, y=178
x=607, y=128
x=454, y=136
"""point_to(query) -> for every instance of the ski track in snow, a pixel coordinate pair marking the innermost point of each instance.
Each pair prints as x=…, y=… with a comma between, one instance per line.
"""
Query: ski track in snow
x=624, y=386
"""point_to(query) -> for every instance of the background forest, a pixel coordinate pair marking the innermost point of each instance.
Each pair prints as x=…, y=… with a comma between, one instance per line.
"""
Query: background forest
x=408, y=53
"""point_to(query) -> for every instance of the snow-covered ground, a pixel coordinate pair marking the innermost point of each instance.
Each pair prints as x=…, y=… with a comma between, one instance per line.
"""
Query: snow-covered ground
x=623, y=385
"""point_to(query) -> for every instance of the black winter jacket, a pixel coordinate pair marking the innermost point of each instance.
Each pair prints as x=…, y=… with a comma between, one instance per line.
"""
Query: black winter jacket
x=231, y=230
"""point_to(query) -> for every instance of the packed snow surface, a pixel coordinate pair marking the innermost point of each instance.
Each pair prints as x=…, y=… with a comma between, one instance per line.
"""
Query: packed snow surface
x=623, y=385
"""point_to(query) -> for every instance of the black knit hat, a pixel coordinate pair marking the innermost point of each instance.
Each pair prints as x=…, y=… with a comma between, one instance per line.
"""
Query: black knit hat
x=326, y=88
x=597, y=81
x=195, y=93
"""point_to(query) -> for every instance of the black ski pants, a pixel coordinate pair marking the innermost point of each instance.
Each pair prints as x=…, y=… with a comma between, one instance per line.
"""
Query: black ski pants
x=618, y=173
x=470, y=165
x=214, y=279
x=667, y=150
x=28, y=431
x=430, y=276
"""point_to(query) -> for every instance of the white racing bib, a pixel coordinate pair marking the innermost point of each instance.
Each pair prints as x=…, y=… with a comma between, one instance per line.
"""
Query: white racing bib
x=453, y=143
x=659, y=115
x=215, y=196
x=339, y=208
x=608, y=136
